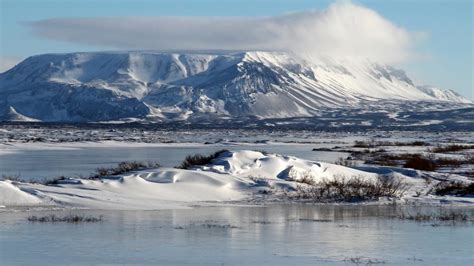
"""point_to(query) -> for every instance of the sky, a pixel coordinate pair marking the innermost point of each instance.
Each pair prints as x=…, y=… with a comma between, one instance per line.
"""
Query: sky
x=431, y=39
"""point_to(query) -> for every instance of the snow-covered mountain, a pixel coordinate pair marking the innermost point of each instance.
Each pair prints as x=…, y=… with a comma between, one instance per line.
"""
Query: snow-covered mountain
x=442, y=94
x=177, y=86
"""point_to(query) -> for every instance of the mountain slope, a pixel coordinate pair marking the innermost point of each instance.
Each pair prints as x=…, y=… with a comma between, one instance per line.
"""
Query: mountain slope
x=442, y=94
x=168, y=86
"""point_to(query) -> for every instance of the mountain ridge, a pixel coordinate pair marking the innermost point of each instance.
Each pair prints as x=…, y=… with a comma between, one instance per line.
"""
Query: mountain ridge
x=157, y=86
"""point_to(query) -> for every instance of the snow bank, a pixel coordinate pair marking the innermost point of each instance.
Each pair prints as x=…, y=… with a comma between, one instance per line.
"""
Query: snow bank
x=275, y=166
x=13, y=195
x=233, y=176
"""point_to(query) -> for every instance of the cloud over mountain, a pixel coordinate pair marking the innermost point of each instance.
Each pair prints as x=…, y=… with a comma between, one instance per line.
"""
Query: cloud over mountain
x=342, y=30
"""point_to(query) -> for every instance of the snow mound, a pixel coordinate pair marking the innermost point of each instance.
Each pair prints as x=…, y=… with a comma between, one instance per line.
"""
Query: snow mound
x=12, y=195
x=232, y=176
x=275, y=166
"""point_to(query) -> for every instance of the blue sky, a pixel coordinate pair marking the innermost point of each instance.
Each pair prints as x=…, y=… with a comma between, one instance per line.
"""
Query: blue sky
x=446, y=50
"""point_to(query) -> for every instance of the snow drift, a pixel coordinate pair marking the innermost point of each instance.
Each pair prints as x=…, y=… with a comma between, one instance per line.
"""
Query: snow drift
x=232, y=176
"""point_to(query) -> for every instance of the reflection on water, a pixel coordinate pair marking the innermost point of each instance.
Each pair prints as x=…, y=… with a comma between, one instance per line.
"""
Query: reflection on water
x=280, y=234
x=48, y=163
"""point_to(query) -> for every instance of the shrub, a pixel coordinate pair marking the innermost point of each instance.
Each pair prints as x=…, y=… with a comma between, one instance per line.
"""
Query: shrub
x=388, y=159
x=121, y=168
x=414, y=143
x=13, y=178
x=65, y=219
x=260, y=181
x=345, y=162
x=304, y=177
x=417, y=161
x=448, y=162
x=469, y=158
x=19, y=179
x=207, y=224
x=341, y=189
x=199, y=159
x=442, y=215
x=454, y=188
x=371, y=143
x=54, y=181
x=322, y=149
x=450, y=148
x=307, y=179
x=44, y=181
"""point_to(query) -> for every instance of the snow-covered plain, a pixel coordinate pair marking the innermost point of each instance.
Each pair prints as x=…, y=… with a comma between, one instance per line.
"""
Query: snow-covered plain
x=237, y=177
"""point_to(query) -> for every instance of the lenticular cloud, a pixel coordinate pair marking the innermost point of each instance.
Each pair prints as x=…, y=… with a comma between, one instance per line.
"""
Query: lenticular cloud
x=342, y=30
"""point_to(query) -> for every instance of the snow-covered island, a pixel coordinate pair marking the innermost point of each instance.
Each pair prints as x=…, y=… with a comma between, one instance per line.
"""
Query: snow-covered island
x=243, y=177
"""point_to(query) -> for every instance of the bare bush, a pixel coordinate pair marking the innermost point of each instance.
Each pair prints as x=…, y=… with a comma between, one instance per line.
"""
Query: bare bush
x=260, y=181
x=442, y=215
x=65, y=219
x=453, y=188
x=304, y=177
x=452, y=162
x=17, y=178
x=342, y=189
x=345, y=162
x=54, y=181
x=417, y=161
x=199, y=159
x=121, y=168
x=450, y=148
x=372, y=143
x=13, y=178
x=469, y=158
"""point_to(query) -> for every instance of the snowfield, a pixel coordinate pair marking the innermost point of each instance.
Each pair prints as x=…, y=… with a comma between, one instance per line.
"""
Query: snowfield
x=240, y=177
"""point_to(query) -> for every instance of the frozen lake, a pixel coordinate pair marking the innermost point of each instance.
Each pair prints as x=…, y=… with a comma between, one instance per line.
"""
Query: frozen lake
x=39, y=161
x=230, y=235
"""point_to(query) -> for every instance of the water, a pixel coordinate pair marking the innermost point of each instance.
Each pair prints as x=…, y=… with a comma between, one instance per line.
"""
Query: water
x=37, y=164
x=273, y=235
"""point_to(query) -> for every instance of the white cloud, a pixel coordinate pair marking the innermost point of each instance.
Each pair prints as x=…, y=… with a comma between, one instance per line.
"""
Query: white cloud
x=342, y=30
x=7, y=62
